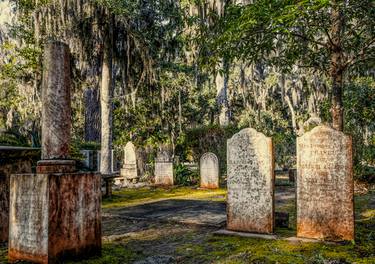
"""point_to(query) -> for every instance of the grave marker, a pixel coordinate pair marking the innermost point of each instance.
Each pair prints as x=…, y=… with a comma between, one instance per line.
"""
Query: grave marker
x=250, y=205
x=164, y=169
x=325, y=185
x=209, y=171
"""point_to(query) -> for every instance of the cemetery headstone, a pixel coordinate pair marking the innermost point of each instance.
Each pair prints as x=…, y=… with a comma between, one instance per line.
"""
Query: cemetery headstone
x=129, y=170
x=164, y=169
x=209, y=171
x=325, y=185
x=250, y=162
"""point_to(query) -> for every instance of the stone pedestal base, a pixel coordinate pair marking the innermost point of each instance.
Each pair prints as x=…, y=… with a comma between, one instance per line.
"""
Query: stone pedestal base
x=56, y=166
x=129, y=173
x=54, y=216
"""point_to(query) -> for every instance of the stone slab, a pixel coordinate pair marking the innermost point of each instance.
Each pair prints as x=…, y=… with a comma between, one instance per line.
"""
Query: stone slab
x=251, y=180
x=325, y=208
x=243, y=234
x=164, y=173
x=209, y=171
x=12, y=160
x=55, y=166
x=54, y=216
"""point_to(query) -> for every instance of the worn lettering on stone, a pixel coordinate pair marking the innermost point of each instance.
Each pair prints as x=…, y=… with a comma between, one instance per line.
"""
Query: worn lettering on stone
x=29, y=214
x=250, y=165
x=325, y=185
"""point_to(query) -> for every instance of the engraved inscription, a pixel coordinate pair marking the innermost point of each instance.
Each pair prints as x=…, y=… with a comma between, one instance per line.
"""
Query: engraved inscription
x=325, y=185
x=29, y=213
x=250, y=182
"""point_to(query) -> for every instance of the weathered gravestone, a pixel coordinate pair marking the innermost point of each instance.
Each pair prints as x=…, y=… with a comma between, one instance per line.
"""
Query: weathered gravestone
x=129, y=170
x=12, y=160
x=325, y=185
x=209, y=171
x=250, y=163
x=55, y=214
x=163, y=169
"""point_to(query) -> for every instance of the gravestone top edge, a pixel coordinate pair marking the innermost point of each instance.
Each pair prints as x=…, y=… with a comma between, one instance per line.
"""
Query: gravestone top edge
x=163, y=157
x=247, y=131
x=323, y=129
x=209, y=154
x=129, y=144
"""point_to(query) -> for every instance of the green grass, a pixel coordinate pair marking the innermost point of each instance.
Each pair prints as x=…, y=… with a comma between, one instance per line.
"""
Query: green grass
x=131, y=197
x=188, y=244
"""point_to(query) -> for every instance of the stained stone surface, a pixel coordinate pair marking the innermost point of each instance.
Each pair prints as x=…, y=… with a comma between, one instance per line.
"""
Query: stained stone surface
x=12, y=160
x=209, y=171
x=56, y=109
x=129, y=168
x=251, y=177
x=325, y=185
x=54, y=216
x=164, y=169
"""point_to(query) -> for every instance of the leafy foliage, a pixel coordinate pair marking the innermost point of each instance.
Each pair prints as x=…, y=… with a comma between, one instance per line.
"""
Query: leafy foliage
x=184, y=176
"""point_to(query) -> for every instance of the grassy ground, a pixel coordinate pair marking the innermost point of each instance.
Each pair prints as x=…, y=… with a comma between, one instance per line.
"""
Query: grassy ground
x=177, y=243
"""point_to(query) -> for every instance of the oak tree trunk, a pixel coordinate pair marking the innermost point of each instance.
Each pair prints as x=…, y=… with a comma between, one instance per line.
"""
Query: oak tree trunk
x=337, y=67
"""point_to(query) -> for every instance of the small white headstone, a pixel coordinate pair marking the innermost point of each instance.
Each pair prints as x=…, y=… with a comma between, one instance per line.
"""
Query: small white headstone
x=209, y=171
x=129, y=168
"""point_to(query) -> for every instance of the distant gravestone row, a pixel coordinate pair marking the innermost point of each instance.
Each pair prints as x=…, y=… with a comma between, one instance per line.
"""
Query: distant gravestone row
x=324, y=184
x=164, y=175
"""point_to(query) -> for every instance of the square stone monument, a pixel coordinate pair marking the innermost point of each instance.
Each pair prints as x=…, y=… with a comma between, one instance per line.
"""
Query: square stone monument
x=325, y=185
x=209, y=171
x=55, y=214
x=250, y=163
x=164, y=169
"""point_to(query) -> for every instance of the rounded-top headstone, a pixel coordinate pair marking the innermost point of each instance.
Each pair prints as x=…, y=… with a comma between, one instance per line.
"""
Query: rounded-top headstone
x=209, y=171
x=129, y=154
x=129, y=168
x=56, y=108
x=250, y=165
x=325, y=185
